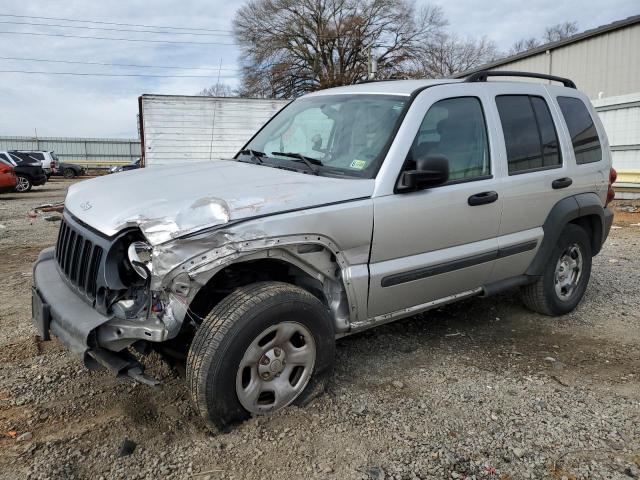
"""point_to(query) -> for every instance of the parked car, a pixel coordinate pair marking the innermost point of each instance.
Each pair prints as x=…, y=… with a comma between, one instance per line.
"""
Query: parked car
x=124, y=168
x=351, y=208
x=8, y=179
x=29, y=172
x=48, y=158
x=70, y=170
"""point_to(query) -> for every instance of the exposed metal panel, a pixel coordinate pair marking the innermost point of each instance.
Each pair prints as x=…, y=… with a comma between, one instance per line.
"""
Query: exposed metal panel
x=92, y=152
x=179, y=129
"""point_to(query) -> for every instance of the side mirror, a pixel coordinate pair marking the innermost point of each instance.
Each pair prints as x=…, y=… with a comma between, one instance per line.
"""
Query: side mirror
x=430, y=171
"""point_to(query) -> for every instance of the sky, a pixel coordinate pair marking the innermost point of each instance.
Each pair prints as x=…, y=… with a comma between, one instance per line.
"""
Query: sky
x=100, y=106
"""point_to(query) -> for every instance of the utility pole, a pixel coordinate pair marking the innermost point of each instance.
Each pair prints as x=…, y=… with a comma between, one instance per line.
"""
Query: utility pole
x=372, y=65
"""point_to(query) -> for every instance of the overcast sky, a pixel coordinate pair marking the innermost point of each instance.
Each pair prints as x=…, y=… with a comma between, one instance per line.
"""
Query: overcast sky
x=60, y=105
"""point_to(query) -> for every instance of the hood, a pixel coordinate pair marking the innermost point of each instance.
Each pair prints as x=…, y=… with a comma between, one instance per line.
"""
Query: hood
x=170, y=201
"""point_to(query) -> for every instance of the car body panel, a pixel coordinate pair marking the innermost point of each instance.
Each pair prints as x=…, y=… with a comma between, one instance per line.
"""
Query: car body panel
x=169, y=201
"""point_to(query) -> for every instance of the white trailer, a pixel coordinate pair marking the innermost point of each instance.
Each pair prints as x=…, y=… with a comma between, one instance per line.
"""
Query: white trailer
x=180, y=129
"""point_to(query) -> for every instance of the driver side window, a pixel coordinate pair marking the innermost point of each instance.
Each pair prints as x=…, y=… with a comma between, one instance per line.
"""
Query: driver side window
x=455, y=128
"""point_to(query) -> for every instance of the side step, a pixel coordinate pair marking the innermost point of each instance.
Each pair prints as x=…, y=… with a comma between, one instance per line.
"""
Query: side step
x=120, y=364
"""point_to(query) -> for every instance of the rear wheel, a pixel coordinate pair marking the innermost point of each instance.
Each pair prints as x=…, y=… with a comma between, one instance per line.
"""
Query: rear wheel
x=564, y=281
x=69, y=173
x=24, y=183
x=265, y=346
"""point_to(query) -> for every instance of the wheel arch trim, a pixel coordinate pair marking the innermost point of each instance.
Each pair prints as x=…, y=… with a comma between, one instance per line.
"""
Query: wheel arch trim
x=568, y=210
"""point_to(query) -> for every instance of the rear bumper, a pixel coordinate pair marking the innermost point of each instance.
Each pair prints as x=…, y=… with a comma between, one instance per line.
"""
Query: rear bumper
x=39, y=180
x=58, y=310
x=608, y=221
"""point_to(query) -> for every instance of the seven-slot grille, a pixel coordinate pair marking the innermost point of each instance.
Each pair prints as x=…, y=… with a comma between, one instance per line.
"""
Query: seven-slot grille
x=78, y=258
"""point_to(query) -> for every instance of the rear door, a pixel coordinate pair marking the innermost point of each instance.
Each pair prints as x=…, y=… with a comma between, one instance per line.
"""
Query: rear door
x=539, y=166
x=438, y=242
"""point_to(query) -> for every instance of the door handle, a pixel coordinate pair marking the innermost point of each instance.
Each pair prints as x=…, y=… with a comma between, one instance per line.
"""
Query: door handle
x=561, y=183
x=482, y=198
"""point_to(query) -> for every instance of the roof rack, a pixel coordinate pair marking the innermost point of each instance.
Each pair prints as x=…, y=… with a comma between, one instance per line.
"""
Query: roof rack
x=484, y=74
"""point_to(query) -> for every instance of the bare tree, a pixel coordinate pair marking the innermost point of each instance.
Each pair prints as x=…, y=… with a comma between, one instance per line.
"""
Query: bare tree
x=560, y=31
x=292, y=47
x=553, y=33
x=218, y=90
x=448, y=55
x=523, y=45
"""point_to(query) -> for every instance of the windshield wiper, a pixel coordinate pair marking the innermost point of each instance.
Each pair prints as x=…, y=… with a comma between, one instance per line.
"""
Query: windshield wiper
x=308, y=161
x=254, y=155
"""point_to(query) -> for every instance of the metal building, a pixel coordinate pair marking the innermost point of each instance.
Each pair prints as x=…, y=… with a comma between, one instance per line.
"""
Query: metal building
x=179, y=129
x=89, y=152
x=605, y=64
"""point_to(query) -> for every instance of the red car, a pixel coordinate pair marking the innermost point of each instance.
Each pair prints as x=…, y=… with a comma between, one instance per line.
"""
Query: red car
x=8, y=179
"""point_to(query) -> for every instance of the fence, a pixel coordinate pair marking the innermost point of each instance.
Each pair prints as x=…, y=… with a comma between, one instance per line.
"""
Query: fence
x=90, y=152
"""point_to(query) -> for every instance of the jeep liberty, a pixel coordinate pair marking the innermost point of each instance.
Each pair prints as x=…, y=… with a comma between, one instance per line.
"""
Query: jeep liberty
x=352, y=207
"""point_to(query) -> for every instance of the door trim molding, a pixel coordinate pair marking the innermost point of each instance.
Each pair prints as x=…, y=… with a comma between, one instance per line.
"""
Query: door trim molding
x=450, y=266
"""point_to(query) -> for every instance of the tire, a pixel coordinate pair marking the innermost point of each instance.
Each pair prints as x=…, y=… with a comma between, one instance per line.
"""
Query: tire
x=24, y=183
x=547, y=295
x=220, y=374
x=69, y=173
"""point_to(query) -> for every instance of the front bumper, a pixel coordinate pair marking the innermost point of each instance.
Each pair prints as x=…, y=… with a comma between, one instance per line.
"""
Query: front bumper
x=58, y=309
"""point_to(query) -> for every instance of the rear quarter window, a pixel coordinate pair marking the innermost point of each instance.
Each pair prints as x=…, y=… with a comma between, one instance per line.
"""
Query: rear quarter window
x=584, y=136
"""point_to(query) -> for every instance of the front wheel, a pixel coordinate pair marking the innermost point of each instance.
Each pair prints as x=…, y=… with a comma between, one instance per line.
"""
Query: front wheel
x=265, y=346
x=69, y=173
x=24, y=184
x=564, y=281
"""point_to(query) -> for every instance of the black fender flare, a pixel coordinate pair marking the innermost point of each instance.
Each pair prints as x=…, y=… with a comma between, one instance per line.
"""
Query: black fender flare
x=565, y=211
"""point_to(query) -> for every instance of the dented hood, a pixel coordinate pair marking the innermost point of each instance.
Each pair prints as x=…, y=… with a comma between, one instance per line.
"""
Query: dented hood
x=167, y=202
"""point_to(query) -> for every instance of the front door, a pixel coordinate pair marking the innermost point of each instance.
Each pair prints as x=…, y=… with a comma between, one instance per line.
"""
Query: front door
x=440, y=241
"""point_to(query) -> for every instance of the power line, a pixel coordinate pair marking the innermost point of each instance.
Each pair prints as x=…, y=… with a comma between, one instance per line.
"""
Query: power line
x=115, y=23
x=88, y=74
x=220, y=32
x=77, y=62
x=113, y=29
x=183, y=42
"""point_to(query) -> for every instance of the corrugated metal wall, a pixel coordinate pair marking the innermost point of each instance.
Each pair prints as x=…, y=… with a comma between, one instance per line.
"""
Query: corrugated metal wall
x=91, y=152
x=607, y=64
x=621, y=119
x=187, y=129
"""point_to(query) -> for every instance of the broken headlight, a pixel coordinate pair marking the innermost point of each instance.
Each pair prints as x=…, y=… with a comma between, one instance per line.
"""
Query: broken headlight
x=139, y=255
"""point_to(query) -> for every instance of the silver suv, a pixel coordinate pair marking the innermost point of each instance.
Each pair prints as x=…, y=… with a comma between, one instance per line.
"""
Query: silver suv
x=352, y=207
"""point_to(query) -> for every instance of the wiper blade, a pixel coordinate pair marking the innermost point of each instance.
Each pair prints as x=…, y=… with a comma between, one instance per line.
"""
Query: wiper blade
x=254, y=155
x=308, y=161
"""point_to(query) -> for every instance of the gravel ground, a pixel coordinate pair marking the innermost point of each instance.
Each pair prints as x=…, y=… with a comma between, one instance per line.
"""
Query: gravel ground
x=481, y=389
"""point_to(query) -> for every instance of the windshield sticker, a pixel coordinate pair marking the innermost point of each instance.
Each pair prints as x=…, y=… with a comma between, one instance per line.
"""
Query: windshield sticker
x=358, y=164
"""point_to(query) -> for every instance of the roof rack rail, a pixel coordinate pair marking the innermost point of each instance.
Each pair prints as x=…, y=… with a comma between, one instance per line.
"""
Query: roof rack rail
x=484, y=74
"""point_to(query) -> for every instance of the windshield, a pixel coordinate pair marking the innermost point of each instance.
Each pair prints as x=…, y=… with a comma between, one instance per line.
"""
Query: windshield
x=346, y=134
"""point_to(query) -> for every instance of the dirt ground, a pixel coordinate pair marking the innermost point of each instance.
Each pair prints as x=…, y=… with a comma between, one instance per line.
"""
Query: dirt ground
x=480, y=389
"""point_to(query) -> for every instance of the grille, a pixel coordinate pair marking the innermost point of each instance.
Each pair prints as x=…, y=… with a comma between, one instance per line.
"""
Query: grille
x=78, y=259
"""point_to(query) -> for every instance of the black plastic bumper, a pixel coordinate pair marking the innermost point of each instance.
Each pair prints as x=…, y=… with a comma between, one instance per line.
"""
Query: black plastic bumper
x=58, y=309
x=608, y=221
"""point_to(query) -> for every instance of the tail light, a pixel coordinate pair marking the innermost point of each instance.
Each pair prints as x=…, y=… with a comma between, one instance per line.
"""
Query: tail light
x=5, y=168
x=611, y=194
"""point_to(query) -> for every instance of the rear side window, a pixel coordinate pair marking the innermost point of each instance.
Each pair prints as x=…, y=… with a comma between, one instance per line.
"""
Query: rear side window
x=529, y=133
x=586, y=144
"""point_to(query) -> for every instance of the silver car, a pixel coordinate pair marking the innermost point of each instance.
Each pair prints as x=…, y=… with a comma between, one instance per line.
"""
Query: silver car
x=352, y=207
